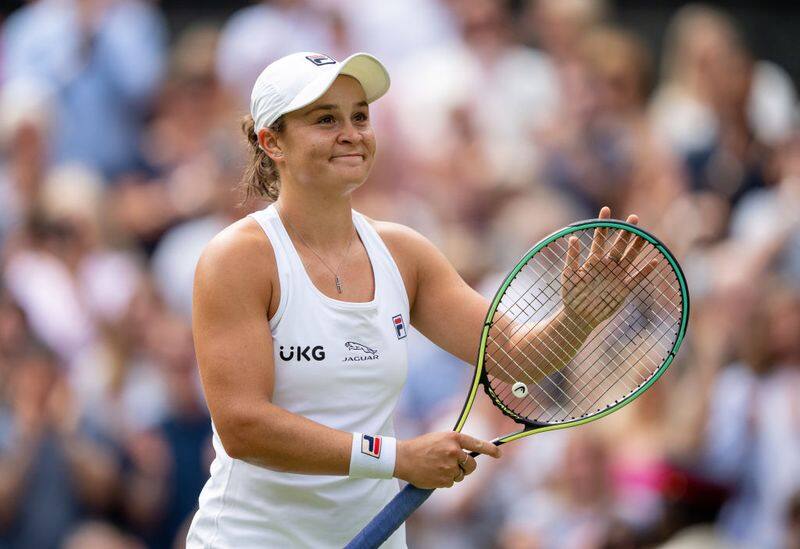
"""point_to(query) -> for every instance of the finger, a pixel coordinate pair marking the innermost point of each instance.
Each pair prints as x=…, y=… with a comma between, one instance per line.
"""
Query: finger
x=459, y=476
x=643, y=273
x=599, y=238
x=619, y=246
x=469, y=465
x=633, y=250
x=476, y=445
x=573, y=253
x=598, y=241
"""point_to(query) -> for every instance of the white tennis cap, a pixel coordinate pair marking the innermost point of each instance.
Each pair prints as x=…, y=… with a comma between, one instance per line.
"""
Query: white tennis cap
x=299, y=79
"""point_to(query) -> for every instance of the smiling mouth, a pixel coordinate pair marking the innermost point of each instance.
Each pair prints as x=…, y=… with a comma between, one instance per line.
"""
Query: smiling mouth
x=349, y=156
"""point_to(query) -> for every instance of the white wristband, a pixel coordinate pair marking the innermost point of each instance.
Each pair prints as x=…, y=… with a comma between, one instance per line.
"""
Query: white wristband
x=372, y=456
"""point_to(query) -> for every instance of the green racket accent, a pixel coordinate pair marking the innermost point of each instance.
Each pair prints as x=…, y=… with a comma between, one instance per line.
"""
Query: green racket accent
x=480, y=377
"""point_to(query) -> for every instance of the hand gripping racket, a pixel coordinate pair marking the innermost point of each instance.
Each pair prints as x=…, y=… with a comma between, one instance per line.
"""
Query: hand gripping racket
x=577, y=330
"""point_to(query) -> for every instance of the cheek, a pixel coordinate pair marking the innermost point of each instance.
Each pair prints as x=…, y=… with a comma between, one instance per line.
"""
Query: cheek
x=369, y=142
x=312, y=151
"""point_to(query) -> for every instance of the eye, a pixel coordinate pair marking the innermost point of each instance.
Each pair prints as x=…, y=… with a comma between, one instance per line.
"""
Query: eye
x=361, y=116
x=327, y=119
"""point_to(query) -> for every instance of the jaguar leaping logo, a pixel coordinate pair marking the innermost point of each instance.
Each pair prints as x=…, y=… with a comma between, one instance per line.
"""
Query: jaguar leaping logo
x=353, y=346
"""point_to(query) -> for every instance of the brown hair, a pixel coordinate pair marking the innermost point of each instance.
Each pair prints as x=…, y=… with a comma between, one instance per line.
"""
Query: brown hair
x=260, y=177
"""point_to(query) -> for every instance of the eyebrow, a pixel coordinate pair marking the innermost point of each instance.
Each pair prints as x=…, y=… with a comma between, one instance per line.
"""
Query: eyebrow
x=331, y=107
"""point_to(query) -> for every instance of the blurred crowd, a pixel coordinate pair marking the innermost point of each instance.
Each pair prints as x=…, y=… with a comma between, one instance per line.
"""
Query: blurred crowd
x=120, y=153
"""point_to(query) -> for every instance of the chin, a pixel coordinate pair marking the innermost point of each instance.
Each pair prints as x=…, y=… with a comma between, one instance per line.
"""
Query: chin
x=351, y=184
x=353, y=176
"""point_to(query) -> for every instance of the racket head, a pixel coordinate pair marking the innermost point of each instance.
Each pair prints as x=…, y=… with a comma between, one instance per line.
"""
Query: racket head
x=656, y=312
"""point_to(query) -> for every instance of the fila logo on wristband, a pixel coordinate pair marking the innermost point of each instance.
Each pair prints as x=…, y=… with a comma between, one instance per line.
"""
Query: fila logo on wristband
x=371, y=446
x=372, y=456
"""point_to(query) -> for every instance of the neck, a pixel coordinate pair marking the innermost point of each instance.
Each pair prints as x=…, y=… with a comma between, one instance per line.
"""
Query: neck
x=323, y=222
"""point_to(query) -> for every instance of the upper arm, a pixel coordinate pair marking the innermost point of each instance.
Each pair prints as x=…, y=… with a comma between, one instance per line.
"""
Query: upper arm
x=444, y=308
x=233, y=342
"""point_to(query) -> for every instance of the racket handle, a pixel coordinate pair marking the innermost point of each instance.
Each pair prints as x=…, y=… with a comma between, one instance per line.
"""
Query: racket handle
x=390, y=518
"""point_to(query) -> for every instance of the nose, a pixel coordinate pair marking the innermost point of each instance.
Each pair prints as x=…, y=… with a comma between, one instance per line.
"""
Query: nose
x=349, y=133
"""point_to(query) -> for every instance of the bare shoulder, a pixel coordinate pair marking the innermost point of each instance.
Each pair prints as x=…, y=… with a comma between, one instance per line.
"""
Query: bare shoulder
x=238, y=260
x=400, y=238
x=409, y=248
x=411, y=251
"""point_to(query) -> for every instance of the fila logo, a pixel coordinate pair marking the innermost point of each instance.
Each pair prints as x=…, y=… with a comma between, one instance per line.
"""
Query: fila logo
x=320, y=60
x=371, y=445
x=302, y=353
x=399, y=326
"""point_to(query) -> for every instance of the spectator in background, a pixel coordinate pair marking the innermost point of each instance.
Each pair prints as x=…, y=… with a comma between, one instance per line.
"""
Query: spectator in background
x=601, y=149
x=25, y=120
x=255, y=36
x=557, y=26
x=54, y=471
x=721, y=109
x=752, y=435
x=102, y=62
x=199, y=158
x=482, y=80
x=766, y=215
x=576, y=512
x=168, y=463
x=64, y=273
x=394, y=30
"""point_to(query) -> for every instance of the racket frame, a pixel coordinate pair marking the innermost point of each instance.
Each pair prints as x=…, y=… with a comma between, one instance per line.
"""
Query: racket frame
x=481, y=378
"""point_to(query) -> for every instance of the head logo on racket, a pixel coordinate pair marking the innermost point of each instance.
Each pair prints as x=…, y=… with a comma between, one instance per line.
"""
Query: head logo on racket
x=519, y=389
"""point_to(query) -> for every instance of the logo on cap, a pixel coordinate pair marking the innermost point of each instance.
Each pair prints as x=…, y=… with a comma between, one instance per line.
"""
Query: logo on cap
x=320, y=60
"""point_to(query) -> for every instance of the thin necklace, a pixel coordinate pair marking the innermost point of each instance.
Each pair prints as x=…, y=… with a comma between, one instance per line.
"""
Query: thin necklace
x=303, y=240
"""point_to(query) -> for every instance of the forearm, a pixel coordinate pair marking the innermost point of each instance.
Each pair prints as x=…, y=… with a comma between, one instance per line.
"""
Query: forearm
x=545, y=349
x=559, y=341
x=272, y=437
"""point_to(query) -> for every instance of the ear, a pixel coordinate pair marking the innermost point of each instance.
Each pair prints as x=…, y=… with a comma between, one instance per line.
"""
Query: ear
x=268, y=140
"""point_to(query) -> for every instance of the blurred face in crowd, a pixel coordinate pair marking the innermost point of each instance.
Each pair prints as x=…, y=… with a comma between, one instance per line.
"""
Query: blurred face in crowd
x=559, y=24
x=328, y=143
x=619, y=66
x=483, y=22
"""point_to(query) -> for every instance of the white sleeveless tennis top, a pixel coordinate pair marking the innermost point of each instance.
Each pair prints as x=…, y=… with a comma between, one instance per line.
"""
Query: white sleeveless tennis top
x=338, y=363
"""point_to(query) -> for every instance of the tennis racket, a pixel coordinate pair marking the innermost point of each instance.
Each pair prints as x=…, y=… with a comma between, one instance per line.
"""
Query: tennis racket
x=632, y=304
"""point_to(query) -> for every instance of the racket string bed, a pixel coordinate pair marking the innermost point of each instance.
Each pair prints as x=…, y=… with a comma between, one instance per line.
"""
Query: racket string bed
x=524, y=291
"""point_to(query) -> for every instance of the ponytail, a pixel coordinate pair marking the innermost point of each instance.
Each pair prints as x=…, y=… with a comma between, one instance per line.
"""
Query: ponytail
x=260, y=177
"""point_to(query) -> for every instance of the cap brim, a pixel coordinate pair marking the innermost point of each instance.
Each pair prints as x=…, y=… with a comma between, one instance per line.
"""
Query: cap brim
x=370, y=73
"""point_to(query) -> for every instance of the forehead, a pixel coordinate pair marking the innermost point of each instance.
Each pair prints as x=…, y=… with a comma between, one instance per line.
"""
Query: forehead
x=345, y=93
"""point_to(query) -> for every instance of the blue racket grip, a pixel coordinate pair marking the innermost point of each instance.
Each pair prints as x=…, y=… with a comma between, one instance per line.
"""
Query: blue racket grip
x=390, y=518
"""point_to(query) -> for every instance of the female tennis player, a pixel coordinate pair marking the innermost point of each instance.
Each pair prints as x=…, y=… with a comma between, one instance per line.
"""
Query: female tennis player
x=300, y=317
